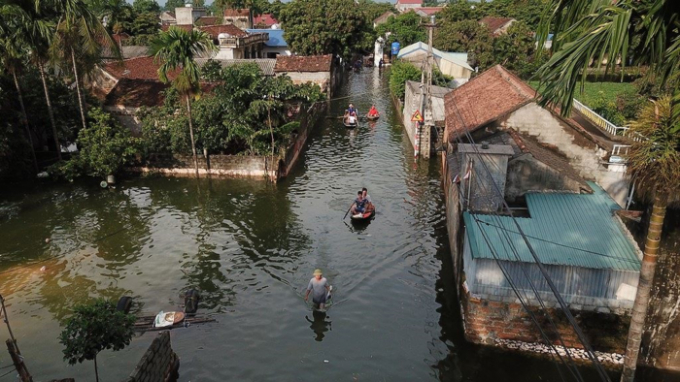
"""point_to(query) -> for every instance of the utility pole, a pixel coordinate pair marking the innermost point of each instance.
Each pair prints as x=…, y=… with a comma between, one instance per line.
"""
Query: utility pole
x=423, y=136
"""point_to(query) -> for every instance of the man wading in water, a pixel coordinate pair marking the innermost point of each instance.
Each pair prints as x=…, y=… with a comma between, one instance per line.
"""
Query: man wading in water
x=321, y=289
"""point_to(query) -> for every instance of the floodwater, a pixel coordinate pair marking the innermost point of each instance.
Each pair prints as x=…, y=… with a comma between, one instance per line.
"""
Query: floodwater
x=251, y=248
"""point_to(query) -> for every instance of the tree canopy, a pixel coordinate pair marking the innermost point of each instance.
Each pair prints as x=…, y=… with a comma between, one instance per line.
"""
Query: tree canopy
x=406, y=28
x=323, y=26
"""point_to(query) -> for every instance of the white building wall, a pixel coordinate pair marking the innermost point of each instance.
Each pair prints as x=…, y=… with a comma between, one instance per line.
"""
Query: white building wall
x=323, y=79
x=584, y=155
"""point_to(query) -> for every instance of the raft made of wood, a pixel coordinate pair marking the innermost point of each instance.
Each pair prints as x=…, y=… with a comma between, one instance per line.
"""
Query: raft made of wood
x=145, y=323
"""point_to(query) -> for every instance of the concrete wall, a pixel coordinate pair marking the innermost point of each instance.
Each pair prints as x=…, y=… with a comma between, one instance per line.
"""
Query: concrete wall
x=453, y=216
x=454, y=70
x=584, y=155
x=223, y=165
x=478, y=189
x=411, y=104
x=158, y=364
x=187, y=15
x=526, y=174
x=243, y=165
x=323, y=79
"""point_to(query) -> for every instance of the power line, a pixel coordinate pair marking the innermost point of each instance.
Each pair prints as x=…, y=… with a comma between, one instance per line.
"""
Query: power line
x=551, y=284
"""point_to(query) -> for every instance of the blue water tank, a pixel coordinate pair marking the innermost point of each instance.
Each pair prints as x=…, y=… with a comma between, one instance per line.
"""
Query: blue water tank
x=395, y=48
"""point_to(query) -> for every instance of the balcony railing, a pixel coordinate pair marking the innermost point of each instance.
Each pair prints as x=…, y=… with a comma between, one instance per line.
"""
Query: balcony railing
x=239, y=42
x=599, y=121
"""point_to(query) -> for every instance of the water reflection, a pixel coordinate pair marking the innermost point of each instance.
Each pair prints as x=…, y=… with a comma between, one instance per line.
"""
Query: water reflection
x=320, y=324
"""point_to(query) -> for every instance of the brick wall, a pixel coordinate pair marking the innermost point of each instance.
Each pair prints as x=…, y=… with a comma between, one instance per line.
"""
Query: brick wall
x=485, y=322
x=159, y=363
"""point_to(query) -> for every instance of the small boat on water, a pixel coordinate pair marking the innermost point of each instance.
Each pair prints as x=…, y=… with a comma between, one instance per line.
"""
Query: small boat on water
x=373, y=117
x=348, y=124
x=363, y=217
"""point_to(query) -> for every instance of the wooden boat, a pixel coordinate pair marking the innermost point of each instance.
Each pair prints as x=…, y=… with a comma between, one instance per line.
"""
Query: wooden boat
x=363, y=218
x=349, y=125
x=373, y=118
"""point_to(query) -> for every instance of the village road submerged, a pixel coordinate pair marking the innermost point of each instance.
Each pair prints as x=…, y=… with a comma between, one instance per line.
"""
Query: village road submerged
x=251, y=247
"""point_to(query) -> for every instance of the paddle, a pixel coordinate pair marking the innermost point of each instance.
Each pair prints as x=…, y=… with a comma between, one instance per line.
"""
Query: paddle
x=349, y=209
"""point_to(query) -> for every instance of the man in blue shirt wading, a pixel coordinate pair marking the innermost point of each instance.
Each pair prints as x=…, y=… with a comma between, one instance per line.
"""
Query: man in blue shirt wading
x=320, y=286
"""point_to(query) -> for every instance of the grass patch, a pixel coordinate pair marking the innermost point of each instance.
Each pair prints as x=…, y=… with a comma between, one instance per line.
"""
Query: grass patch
x=595, y=92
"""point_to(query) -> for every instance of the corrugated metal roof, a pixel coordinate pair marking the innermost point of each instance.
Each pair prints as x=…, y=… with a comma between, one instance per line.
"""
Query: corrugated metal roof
x=275, y=37
x=564, y=229
x=455, y=57
x=265, y=64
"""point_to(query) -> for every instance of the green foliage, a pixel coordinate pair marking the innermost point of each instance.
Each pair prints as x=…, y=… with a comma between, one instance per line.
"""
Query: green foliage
x=466, y=36
x=176, y=49
x=104, y=148
x=655, y=161
x=400, y=72
x=93, y=328
x=323, y=26
x=211, y=70
x=145, y=24
x=146, y=6
x=233, y=119
x=527, y=11
x=170, y=5
x=406, y=28
x=516, y=50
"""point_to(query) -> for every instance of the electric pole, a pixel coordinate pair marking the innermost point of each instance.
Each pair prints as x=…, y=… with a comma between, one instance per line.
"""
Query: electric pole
x=424, y=129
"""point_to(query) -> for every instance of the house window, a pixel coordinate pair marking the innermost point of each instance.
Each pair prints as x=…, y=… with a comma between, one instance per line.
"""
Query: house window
x=272, y=54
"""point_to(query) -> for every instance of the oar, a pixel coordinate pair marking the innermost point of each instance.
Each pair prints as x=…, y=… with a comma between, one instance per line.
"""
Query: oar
x=349, y=209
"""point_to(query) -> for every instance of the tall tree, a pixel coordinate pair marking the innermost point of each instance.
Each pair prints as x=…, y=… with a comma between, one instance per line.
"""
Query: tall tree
x=35, y=29
x=146, y=6
x=170, y=5
x=176, y=50
x=407, y=28
x=323, y=26
x=80, y=36
x=599, y=32
x=466, y=36
x=11, y=58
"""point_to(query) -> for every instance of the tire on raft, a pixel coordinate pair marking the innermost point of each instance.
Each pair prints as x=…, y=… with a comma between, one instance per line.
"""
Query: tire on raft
x=191, y=299
x=124, y=304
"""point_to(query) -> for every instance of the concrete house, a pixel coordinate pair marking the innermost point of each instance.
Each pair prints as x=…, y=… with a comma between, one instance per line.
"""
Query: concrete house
x=497, y=100
x=450, y=64
x=497, y=25
x=168, y=18
x=235, y=43
x=549, y=170
x=242, y=18
x=275, y=46
x=188, y=14
x=265, y=21
x=405, y=5
x=316, y=69
x=412, y=102
x=383, y=18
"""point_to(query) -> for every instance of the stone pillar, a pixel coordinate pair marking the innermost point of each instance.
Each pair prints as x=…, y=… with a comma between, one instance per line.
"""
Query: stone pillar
x=378, y=51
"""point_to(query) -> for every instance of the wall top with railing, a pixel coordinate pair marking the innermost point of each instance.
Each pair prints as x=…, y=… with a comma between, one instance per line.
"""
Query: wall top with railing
x=602, y=123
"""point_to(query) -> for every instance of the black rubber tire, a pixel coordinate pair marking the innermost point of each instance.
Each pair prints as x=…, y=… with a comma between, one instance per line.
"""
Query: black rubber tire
x=124, y=304
x=191, y=300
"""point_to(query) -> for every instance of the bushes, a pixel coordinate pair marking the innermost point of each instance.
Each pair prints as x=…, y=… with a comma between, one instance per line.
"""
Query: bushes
x=104, y=148
x=400, y=72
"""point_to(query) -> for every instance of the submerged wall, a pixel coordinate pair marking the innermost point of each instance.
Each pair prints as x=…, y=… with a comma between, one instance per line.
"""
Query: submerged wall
x=238, y=166
x=158, y=364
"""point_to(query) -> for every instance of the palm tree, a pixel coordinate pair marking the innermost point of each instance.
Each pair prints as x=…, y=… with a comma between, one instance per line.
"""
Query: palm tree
x=605, y=33
x=80, y=33
x=33, y=29
x=12, y=60
x=176, y=50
